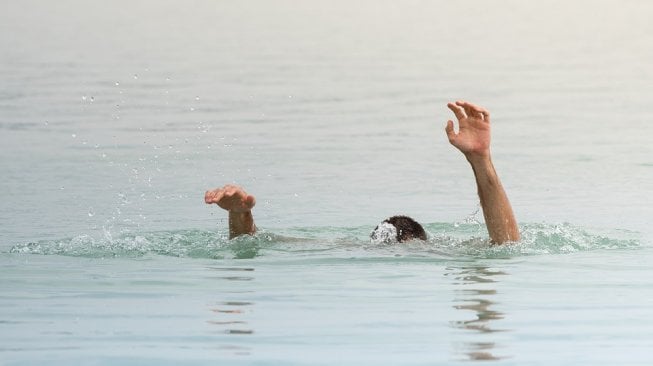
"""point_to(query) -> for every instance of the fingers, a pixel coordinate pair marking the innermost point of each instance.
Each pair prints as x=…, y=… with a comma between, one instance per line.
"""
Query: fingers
x=214, y=196
x=474, y=110
x=208, y=196
x=459, y=111
x=467, y=107
x=230, y=197
x=217, y=194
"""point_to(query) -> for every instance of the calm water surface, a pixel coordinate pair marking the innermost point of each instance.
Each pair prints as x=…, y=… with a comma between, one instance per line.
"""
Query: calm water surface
x=115, y=117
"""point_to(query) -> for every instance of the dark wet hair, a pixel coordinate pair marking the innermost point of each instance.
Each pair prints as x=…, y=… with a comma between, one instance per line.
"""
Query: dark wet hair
x=407, y=228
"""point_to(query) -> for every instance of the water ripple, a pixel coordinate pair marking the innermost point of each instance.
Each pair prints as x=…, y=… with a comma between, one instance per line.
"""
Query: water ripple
x=445, y=241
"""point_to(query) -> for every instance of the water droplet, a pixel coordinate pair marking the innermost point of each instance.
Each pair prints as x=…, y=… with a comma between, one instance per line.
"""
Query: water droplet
x=92, y=99
x=117, y=83
x=83, y=97
x=91, y=213
x=197, y=98
x=46, y=123
x=135, y=76
x=74, y=135
x=290, y=97
x=192, y=109
x=123, y=198
x=167, y=79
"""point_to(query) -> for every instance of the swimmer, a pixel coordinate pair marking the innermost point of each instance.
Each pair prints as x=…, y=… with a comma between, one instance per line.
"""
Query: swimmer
x=472, y=139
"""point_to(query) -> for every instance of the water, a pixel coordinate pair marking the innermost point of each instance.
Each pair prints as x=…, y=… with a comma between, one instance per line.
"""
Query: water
x=114, y=119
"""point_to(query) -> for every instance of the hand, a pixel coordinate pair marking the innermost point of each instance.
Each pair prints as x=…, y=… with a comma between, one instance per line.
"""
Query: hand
x=473, y=137
x=231, y=198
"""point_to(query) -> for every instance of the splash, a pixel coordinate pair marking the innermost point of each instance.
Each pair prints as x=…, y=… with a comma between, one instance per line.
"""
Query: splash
x=445, y=241
x=536, y=239
x=183, y=243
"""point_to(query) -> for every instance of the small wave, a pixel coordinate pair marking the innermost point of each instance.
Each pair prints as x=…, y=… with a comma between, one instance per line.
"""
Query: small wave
x=445, y=240
x=535, y=239
x=183, y=243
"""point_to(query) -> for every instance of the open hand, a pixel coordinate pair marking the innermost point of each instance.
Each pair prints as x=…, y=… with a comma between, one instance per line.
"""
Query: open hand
x=231, y=198
x=473, y=137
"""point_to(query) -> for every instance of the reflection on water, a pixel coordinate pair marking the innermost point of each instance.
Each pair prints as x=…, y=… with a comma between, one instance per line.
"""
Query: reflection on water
x=475, y=290
x=228, y=314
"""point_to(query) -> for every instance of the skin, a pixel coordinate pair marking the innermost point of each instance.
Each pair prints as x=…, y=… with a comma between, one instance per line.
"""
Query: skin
x=239, y=204
x=473, y=140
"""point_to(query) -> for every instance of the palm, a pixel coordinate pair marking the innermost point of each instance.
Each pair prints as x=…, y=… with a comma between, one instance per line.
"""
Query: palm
x=473, y=135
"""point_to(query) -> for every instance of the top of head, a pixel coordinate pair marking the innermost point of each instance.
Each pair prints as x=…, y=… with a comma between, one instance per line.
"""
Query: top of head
x=399, y=229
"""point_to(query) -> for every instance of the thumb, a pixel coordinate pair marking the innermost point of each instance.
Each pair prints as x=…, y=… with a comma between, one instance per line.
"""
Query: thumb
x=250, y=201
x=450, y=132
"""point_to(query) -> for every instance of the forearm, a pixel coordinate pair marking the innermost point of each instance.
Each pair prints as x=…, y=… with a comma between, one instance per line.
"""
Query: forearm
x=499, y=218
x=241, y=223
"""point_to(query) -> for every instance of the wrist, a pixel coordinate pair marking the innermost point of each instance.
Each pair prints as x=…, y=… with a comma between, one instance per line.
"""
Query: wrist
x=477, y=158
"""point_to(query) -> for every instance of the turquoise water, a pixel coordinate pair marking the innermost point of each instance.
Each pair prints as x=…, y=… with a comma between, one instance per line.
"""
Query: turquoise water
x=448, y=240
x=115, y=118
x=183, y=297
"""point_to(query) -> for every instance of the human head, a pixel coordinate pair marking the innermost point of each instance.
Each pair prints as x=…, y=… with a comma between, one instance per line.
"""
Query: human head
x=397, y=228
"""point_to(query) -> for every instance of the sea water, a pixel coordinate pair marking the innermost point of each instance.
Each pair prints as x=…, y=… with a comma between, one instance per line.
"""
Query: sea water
x=116, y=117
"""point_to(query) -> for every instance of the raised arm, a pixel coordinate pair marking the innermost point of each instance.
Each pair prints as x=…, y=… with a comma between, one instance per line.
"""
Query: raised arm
x=473, y=140
x=239, y=204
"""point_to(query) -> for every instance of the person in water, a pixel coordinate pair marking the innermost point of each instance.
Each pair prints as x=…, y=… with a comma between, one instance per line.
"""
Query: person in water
x=472, y=139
